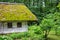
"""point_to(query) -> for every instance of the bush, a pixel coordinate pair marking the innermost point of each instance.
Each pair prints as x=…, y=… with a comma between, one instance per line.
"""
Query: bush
x=18, y=35
x=5, y=38
x=35, y=29
x=34, y=33
x=58, y=31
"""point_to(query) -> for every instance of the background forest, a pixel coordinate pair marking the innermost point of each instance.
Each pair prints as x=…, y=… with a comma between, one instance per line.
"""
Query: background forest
x=48, y=25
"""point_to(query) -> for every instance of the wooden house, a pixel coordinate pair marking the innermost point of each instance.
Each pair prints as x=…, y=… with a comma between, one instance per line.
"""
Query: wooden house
x=14, y=17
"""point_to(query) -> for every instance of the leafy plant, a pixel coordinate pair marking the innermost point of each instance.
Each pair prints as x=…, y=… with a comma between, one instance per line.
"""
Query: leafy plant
x=5, y=38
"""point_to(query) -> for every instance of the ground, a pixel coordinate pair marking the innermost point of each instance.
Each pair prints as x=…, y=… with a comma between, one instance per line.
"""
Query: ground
x=52, y=36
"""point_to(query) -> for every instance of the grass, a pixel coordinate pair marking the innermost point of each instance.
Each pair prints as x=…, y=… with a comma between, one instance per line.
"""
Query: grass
x=52, y=36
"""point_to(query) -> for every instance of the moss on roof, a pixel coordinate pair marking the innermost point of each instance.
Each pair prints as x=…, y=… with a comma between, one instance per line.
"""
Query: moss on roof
x=15, y=12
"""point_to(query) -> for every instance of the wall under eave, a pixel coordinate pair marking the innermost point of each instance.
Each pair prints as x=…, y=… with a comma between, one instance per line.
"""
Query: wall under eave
x=5, y=29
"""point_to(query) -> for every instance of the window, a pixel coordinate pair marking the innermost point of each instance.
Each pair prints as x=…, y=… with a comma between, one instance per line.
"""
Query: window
x=9, y=25
x=19, y=24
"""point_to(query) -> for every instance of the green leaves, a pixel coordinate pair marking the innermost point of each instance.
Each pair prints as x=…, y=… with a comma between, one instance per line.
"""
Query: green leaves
x=5, y=38
x=46, y=24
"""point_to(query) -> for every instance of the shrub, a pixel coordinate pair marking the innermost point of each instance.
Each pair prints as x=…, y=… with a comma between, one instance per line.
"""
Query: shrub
x=58, y=31
x=34, y=33
x=18, y=35
x=5, y=38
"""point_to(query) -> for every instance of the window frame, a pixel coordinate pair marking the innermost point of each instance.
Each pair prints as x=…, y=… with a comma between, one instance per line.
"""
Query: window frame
x=9, y=25
x=19, y=24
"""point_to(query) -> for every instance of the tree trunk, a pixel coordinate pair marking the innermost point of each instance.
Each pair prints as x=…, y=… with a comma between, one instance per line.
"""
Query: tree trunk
x=56, y=31
x=46, y=34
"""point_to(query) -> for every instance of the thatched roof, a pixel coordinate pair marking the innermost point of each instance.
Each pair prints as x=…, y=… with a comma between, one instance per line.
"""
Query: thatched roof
x=15, y=12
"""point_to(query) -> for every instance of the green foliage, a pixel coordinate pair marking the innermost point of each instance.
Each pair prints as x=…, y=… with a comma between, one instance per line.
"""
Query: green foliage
x=58, y=31
x=18, y=35
x=25, y=38
x=35, y=29
x=34, y=33
x=5, y=38
x=51, y=21
x=46, y=24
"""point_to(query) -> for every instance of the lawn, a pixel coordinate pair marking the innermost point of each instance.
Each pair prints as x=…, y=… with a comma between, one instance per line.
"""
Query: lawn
x=52, y=36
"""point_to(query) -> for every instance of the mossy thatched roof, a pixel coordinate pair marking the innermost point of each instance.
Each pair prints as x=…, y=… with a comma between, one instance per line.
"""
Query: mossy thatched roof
x=15, y=12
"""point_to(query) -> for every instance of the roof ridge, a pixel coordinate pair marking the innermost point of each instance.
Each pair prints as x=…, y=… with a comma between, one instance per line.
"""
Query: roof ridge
x=10, y=3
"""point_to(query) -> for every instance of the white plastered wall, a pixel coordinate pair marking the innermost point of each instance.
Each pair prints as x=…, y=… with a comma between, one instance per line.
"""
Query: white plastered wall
x=14, y=24
x=5, y=29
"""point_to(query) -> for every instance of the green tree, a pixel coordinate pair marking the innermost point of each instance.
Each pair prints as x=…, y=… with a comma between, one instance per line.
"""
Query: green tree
x=50, y=21
x=46, y=25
